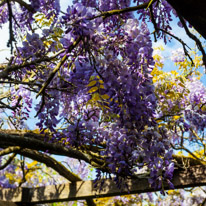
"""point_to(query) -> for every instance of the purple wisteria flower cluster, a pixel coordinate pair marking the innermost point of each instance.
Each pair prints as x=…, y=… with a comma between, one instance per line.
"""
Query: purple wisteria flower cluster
x=178, y=55
x=99, y=91
x=195, y=112
x=4, y=15
x=105, y=5
x=22, y=12
x=161, y=13
x=112, y=100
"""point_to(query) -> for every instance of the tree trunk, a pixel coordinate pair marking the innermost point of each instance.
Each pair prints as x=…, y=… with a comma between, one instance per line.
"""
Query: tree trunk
x=194, y=11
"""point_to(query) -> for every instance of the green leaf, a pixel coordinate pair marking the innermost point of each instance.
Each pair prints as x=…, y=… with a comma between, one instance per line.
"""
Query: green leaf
x=96, y=97
x=92, y=83
x=75, y=203
x=93, y=89
x=105, y=96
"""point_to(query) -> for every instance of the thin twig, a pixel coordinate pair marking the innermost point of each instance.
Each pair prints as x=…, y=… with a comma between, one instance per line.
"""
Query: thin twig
x=11, y=34
x=24, y=4
x=56, y=69
x=188, y=151
x=192, y=36
x=106, y=14
x=184, y=45
x=11, y=68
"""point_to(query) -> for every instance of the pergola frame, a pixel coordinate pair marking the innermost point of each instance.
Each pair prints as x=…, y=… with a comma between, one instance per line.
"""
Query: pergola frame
x=193, y=12
x=84, y=190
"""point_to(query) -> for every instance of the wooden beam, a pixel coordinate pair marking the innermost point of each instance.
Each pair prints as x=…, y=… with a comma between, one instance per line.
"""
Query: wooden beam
x=192, y=177
x=2, y=203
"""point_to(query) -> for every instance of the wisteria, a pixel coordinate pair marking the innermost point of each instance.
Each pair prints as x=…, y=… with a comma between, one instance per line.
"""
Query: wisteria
x=95, y=85
x=178, y=55
x=161, y=14
x=4, y=15
x=195, y=111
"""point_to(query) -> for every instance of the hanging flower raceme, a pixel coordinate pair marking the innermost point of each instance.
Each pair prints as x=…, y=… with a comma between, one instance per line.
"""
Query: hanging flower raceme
x=100, y=93
x=113, y=100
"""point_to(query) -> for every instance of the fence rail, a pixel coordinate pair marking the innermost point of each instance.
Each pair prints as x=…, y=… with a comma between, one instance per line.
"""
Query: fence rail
x=192, y=177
